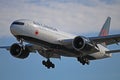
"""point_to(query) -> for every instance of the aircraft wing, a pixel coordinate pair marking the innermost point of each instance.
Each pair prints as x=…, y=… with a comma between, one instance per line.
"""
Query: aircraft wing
x=5, y=47
x=29, y=46
x=33, y=48
x=113, y=51
x=110, y=39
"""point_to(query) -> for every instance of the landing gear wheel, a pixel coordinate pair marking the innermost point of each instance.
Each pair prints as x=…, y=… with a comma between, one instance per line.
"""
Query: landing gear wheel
x=53, y=66
x=48, y=64
x=83, y=63
x=87, y=62
x=83, y=60
x=43, y=62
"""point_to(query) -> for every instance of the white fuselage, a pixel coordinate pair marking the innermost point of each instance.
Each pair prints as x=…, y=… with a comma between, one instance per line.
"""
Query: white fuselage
x=50, y=35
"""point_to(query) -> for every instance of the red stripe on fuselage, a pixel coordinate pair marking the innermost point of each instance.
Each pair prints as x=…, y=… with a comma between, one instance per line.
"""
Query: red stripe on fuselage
x=104, y=33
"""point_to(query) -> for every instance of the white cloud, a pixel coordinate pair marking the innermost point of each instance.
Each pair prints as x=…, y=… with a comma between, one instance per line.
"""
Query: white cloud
x=67, y=16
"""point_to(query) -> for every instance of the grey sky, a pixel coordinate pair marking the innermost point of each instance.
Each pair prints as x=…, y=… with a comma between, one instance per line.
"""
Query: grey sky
x=73, y=16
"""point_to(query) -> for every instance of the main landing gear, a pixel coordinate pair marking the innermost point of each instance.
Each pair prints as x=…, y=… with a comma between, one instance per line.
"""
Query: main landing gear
x=83, y=60
x=48, y=64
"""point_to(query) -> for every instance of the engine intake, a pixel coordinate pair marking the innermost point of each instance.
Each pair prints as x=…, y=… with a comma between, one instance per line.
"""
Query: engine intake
x=18, y=51
x=81, y=43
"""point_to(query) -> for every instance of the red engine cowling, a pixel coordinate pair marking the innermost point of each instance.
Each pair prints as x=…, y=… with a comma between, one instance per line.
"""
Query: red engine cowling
x=18, y=51
x=81, y=43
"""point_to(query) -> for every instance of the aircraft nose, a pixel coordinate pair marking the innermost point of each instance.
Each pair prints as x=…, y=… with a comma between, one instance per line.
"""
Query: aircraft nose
x=15, y=27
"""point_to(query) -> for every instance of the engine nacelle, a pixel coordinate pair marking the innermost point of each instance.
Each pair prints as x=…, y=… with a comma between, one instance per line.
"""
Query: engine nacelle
x=81, y=43
x=18, y=51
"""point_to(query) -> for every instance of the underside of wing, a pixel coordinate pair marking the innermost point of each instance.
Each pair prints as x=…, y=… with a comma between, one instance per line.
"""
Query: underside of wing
x=43, y=51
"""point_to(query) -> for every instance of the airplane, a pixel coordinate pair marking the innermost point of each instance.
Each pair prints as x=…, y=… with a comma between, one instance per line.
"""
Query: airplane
x=50, y=42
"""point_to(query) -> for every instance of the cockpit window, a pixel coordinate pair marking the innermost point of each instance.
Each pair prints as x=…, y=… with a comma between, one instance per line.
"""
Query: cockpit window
x=18, y=23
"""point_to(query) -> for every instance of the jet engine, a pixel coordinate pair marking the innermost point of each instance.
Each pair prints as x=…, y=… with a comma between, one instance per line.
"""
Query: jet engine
x=81, y=43
x=18, y=51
